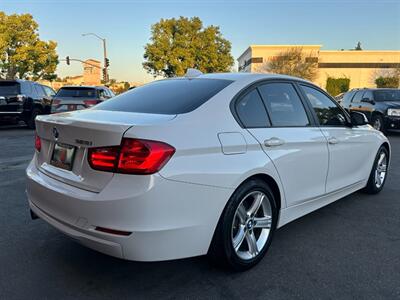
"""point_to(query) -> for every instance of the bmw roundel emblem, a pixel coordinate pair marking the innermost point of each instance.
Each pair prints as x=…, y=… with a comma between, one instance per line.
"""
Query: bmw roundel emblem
x=55, y=133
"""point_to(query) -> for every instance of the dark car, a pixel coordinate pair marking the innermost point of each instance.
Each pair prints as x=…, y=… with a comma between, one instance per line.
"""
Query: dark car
x=70, y=98
x=381, y=106
x=24, y=100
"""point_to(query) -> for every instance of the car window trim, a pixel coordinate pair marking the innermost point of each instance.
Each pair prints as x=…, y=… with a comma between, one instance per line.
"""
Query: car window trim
x=268, y=120
x=309, y=117
x=346, y=115
x=263, y=81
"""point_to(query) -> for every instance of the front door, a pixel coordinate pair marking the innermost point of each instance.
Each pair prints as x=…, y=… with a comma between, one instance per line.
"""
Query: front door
x=349, y=154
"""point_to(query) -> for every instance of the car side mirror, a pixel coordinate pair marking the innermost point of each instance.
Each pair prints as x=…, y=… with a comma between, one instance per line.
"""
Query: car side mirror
x=358, y=119
x=367, y=100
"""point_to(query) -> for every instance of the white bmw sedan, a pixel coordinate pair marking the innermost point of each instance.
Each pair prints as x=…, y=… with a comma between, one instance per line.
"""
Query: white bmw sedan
x=204, y=164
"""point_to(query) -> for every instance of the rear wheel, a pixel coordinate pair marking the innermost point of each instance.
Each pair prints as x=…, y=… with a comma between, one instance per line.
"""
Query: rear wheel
x=31, y=121
x=245, y=229
x=377, y=178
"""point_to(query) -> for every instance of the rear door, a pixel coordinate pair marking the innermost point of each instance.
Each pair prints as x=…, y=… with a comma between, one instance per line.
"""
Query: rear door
x=297, y=148
x=349, y=147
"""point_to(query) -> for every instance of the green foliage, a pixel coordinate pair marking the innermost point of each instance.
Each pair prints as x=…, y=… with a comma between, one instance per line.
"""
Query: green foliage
x=22, y=53
x=293, y=62
x=335, y=86
x=179, y=44
x=387, y=82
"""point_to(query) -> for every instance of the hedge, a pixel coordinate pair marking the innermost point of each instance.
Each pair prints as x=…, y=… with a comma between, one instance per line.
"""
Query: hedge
x=387, y=82
x=335, y=86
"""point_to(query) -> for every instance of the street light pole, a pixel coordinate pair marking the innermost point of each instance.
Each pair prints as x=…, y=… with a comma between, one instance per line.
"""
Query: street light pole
x=106, y=78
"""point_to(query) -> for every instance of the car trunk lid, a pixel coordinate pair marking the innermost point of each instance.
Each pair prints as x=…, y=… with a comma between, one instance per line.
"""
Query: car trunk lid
x=80, y=130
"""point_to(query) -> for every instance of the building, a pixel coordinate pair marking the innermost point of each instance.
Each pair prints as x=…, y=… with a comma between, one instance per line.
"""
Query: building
x=91, y=75
x=361, y=66
x=91, y=72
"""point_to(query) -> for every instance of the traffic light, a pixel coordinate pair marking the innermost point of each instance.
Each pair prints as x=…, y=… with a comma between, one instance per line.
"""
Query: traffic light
x=106, y=62
x=67, y=59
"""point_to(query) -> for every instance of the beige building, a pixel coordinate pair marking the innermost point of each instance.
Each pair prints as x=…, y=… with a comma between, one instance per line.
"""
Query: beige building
x=362, y=67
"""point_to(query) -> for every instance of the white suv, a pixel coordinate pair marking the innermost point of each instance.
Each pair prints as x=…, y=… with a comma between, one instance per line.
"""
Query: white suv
x=201, y=164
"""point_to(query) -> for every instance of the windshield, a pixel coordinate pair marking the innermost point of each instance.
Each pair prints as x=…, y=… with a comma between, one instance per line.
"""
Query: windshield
x=9, y=88
x=387, y=95
x=172, y=96
x=77, y=92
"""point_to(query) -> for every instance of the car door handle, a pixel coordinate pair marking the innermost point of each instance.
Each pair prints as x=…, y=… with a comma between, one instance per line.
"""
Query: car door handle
x=333, y=140
x=273, y=142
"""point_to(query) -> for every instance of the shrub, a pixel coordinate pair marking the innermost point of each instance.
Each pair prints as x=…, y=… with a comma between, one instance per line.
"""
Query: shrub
x=335, y=86
x=387, y=82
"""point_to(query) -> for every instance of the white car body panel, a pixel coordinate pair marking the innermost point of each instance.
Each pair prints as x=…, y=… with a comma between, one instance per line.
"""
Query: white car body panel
x=174, y=212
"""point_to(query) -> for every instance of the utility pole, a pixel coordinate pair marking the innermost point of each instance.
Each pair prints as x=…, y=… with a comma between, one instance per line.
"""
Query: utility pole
x=106, y=62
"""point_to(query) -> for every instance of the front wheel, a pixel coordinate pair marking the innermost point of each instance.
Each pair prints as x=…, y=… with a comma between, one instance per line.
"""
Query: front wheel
x=378, y=124
x=377, y=178
x=245, y=229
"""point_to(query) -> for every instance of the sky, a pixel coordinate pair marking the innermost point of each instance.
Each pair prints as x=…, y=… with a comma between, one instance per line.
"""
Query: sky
x=126, y=25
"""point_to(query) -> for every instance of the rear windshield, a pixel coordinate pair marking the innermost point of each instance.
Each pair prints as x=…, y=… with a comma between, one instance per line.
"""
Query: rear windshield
x=78, y=92
x=387, y=95
x=9, y=88
x=170, y=97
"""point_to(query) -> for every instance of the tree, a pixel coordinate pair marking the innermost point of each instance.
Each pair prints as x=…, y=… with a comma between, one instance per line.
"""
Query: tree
x=387, y=82
x=22, y=53
x=179, y=44
x=358, y=47
x=293, y=62
x=335, y=86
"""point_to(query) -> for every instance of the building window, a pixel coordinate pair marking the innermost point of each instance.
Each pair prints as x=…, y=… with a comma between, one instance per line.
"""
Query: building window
x=312, y=59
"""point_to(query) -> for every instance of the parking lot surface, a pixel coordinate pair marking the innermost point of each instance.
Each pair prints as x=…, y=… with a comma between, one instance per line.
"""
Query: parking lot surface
x=349, y=249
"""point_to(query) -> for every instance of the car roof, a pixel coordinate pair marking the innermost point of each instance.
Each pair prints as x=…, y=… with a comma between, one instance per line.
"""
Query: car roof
x=239, y=76
x=84, y=86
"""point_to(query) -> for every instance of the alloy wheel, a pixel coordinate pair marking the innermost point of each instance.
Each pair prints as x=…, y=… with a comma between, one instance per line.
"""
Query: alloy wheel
x=381, y=169
x=251, y=225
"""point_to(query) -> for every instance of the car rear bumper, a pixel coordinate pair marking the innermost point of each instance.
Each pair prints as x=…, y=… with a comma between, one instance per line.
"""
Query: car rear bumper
x=166, y=219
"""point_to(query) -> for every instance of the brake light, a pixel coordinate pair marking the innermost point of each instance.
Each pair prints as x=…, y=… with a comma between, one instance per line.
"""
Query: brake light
x=133, y=156
x=55, y=102
x=90, y=103
x=38, y=143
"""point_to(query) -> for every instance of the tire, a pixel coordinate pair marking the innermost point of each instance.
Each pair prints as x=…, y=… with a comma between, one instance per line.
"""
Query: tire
x=251, y=232
x=376, y=181
x=31, y=121
x=378, y=123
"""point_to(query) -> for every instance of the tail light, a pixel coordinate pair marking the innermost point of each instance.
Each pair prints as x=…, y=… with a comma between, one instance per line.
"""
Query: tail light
x=90, y=103
x=133, y=156
x=38, y=143
x=55, y=104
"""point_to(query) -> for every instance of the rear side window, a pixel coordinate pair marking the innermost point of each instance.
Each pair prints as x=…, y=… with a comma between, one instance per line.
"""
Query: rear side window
x=9, y=88
x=170, y=97
x=284, y=105
x=251, y=111
x=347, y=97
x=358, y=96
x=77, y=92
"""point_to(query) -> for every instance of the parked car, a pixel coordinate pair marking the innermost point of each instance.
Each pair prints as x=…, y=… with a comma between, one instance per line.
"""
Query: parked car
x=339, y=97
x=205, y=164
x=381, y=106
x=69, y=98
x=24, y=100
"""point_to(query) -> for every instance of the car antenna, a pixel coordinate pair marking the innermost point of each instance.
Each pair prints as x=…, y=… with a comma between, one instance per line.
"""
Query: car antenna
x=192, y=73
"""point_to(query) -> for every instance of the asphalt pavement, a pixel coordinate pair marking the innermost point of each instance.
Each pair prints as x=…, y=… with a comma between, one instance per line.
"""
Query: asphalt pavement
x=347, y=250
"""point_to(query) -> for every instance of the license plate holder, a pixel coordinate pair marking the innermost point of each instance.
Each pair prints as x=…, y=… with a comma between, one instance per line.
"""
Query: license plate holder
x=63, y=156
